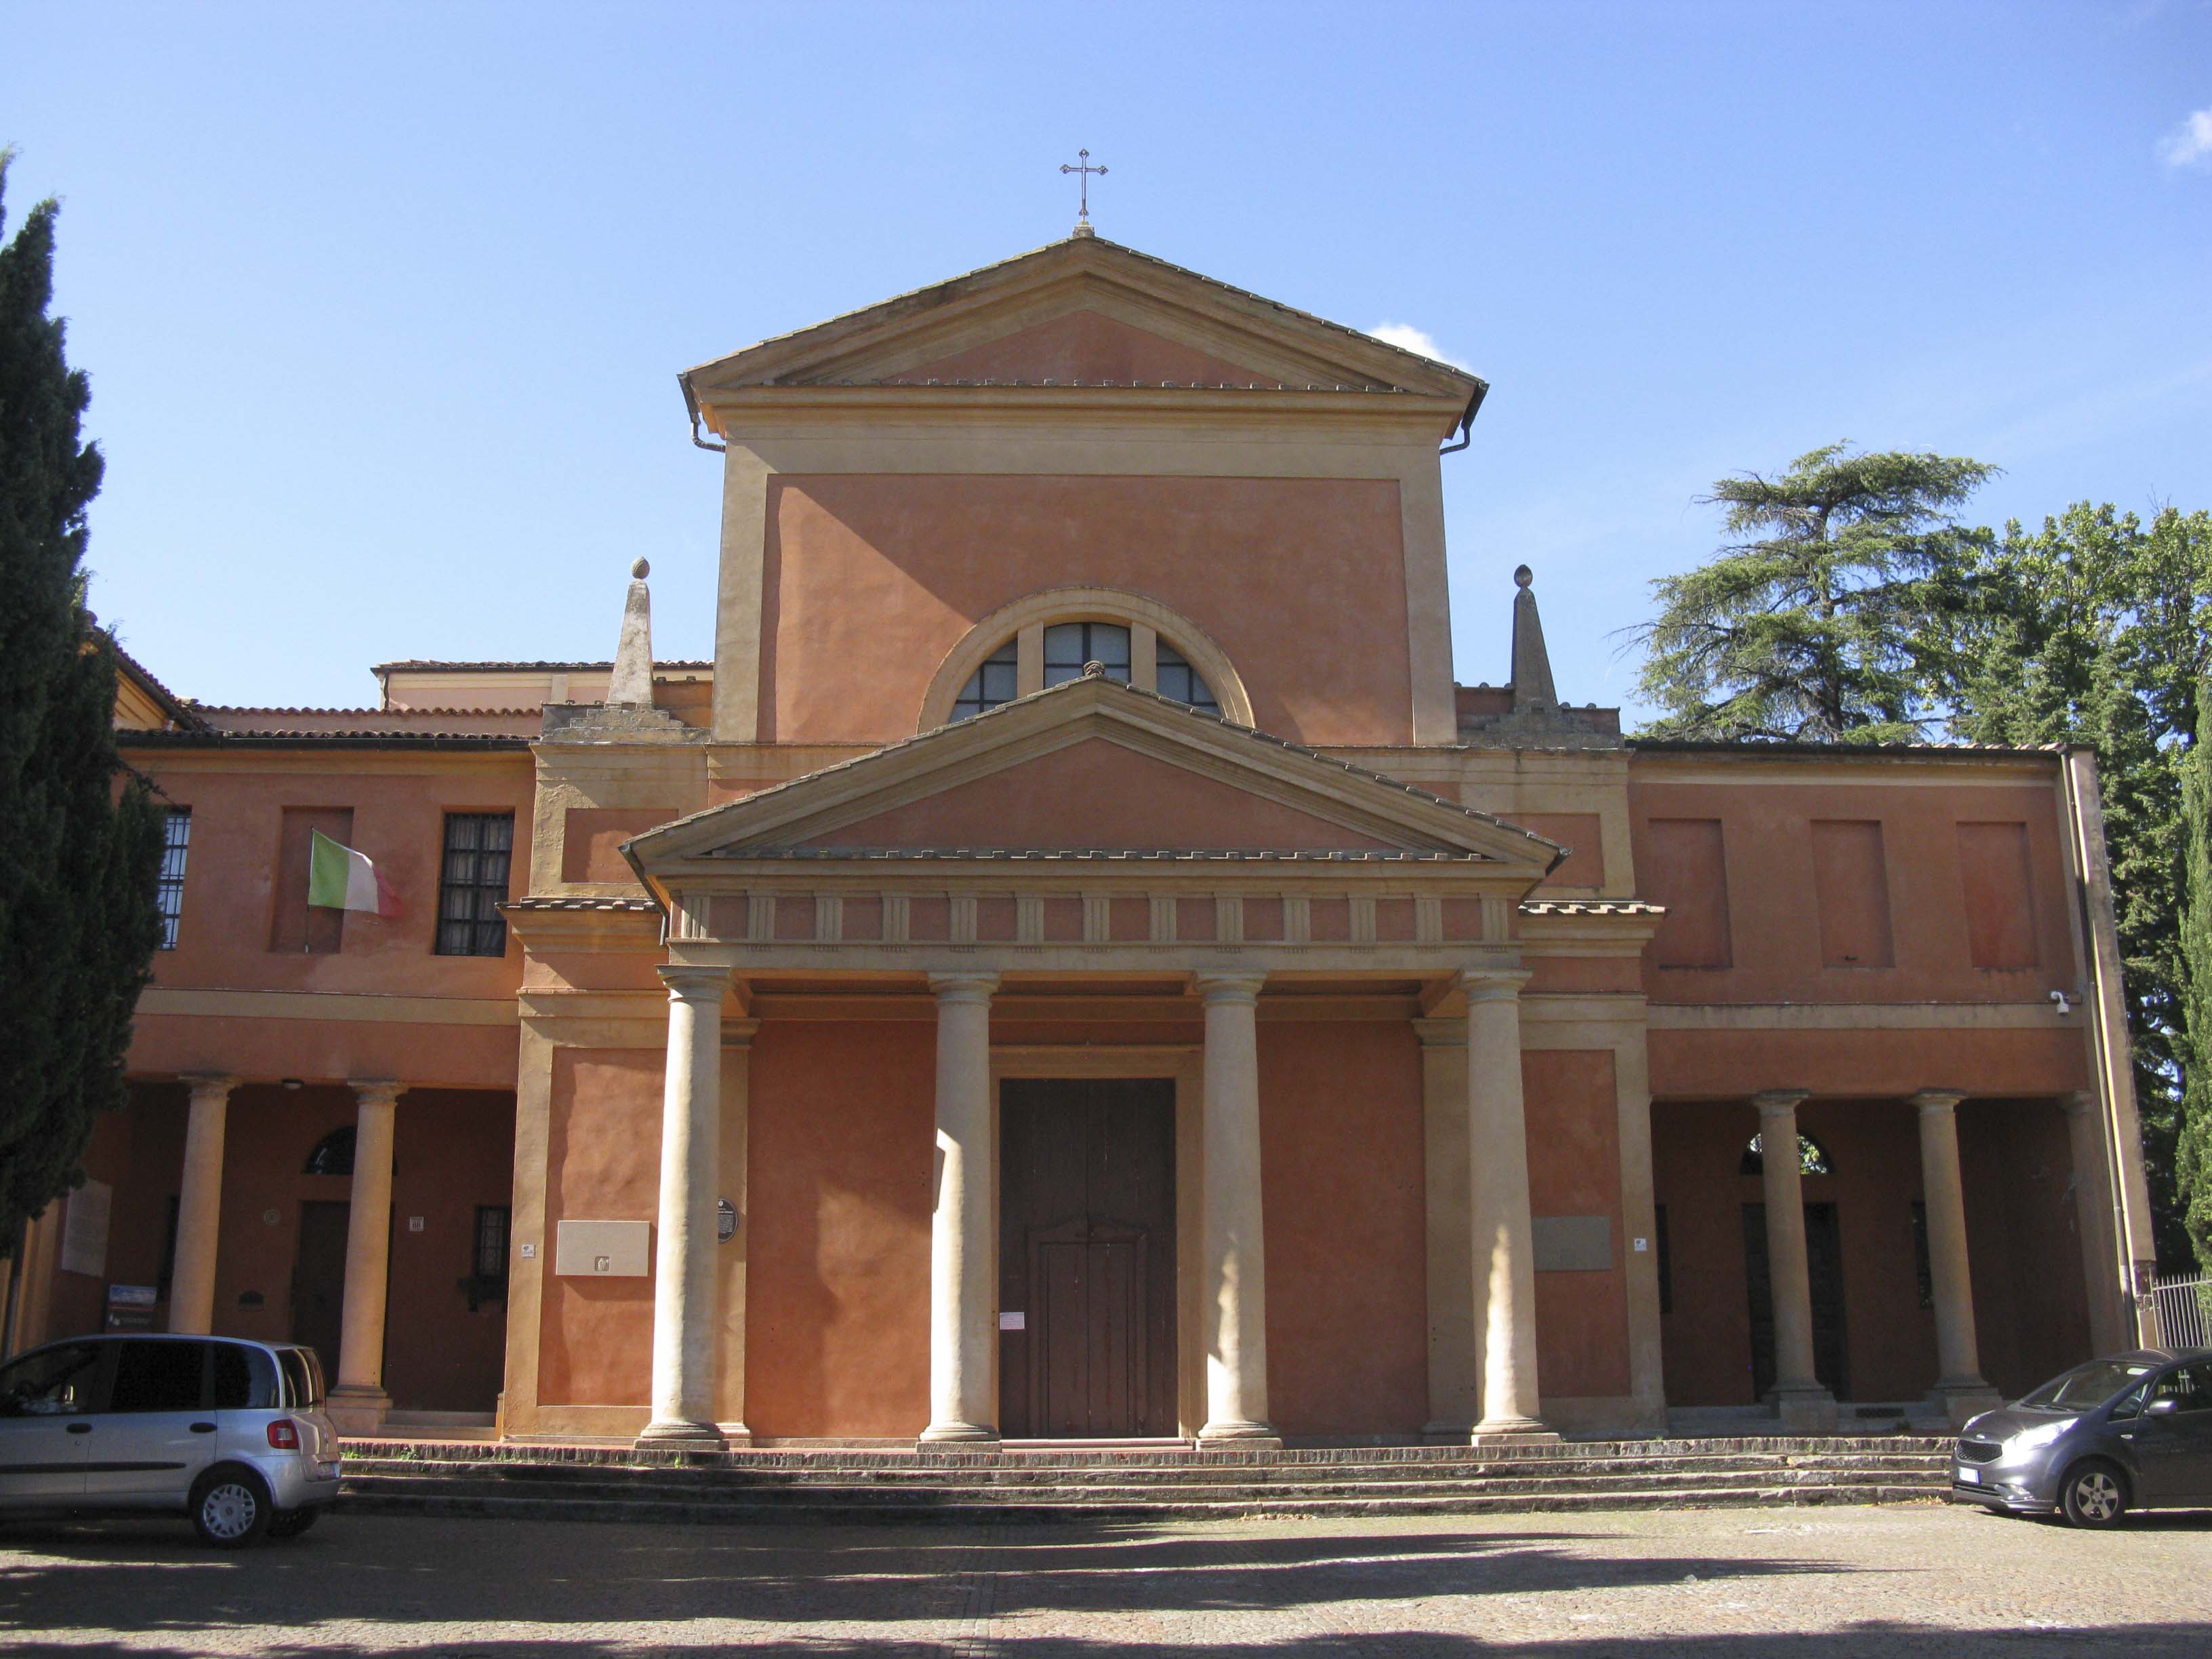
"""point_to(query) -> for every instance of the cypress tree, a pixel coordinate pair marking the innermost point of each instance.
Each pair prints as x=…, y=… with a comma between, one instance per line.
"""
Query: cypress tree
x=79, y=856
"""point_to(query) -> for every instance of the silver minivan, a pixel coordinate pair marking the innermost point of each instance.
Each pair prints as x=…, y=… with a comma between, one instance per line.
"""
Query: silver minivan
x=230, y=1433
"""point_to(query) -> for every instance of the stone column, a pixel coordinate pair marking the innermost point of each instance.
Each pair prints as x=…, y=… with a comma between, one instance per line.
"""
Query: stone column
x=964, y=1290
x=1454, y=1350
x=200, y=1205
x=1233, y=1238
x=2111, y=1326
x=358, y=1401
x=1502, y=1239
x=1959, y=1386
x=683, y=1310
x=1800, y=1399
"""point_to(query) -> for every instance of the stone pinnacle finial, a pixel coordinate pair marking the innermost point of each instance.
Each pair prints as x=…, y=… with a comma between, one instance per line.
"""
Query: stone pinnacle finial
x=631, y=684
x=1532, y=663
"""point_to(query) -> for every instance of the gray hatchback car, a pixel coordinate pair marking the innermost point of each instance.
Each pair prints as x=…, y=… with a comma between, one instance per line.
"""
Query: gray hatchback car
x=2134, y=1432
x=229, y=1433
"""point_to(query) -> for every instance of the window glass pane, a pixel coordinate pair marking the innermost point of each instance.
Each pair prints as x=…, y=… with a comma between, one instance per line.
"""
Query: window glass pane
x=1063, y=645
x=990, y=685
x=245, y=1379
x=472, y=884
x=1179, y=680
x=52, y=1380
x=158, y=1376
x=1068, y=646
x=176, y=842
x=303, y=1376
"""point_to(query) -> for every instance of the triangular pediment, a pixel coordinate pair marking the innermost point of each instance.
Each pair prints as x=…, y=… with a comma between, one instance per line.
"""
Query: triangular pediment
x=1096, y=767
x=1084, y=311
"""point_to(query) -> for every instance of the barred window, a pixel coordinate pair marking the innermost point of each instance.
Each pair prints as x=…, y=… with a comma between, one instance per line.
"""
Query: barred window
x=491, y=1241
x=990, y=685
x=176, y=842
x=472, y=884
x=1924, y=1270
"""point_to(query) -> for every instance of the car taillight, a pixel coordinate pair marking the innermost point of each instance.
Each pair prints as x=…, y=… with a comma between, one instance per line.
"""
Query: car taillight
x=284, y=1435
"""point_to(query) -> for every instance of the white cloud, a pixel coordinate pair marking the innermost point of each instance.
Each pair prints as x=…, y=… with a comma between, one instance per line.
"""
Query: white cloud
x=2189, y=145
x=1407, y=338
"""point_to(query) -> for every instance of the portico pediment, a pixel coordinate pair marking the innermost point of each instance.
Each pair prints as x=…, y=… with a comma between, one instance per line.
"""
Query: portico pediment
x=1093, y=767
x=1085, y=312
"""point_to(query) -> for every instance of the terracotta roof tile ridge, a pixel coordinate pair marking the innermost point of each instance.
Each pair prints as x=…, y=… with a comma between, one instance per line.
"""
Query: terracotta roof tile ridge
x=1345, y=329
x=1129, y=854
x=425, y=664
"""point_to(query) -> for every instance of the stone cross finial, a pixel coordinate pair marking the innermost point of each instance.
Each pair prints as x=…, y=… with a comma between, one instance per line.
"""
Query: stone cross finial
x=631, y=684
x=1532, y=663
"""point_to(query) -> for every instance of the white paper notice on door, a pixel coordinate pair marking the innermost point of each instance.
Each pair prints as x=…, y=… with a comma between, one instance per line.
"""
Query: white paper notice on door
x=84, y=1229
x=1013, y=1322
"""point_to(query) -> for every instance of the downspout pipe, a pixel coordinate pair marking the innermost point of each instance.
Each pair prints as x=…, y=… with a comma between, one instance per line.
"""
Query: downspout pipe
x=1467, y=420
x=691, y=403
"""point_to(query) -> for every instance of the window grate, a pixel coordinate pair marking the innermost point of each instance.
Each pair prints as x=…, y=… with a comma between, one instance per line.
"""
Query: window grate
x=472, y=884
x=176, y=842
x=491, y=1241
x=1924, y=1270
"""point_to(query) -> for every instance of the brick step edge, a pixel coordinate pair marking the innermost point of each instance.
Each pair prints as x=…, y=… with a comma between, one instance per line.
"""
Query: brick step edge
x=797, y=1500
x=603, y=1512
x=491, y=1451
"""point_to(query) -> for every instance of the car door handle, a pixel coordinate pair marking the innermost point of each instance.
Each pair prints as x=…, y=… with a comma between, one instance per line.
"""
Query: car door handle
x=203, y=1428
x=80, y=1428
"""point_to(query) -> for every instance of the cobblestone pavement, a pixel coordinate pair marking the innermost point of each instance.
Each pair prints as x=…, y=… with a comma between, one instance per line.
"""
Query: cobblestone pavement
x=1833, y=1583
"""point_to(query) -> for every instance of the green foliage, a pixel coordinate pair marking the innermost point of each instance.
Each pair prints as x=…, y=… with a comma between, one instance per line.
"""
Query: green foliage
x=2093, y=629
x=1810, y=625
x=78, y=920
x=2193, y=1138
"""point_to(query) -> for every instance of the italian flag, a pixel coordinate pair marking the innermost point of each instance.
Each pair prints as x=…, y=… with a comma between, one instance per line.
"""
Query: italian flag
x=340, y=879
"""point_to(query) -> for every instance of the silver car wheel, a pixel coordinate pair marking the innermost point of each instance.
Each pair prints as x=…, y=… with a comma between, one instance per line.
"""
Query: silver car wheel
x=2097, y=1494
x=228, y=1511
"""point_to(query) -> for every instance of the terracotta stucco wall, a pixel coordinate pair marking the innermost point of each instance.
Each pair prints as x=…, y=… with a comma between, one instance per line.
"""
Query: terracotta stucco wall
x=1775, y=881
x=871, y=579
x=843, y=1144
x=1574, y=1169
x=603, y=1163
x=1341, y=1166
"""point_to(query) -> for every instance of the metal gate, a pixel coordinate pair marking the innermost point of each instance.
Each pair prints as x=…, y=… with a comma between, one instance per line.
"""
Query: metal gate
x=2184, y=1307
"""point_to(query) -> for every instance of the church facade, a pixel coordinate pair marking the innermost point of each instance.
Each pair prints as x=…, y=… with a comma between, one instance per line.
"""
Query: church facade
x=1077, y=964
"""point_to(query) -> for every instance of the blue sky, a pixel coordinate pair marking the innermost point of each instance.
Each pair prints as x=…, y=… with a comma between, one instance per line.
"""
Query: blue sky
x=383, y=307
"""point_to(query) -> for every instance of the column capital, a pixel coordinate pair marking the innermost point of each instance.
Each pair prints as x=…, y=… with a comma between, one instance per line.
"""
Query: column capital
x=694, y=982
x=2079, y=1103
x=1780, y=1103
x=1218, y=985
x=976, y=987
x=1929, y=1100
x=1489, y=984
x=205, y=1084
x=376, y=1091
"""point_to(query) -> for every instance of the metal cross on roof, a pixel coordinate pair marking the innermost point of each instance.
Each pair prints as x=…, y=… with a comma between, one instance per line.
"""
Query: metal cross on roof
x=1084, y=172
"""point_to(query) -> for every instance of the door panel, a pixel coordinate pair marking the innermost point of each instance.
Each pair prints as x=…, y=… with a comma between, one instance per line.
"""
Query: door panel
x=1824, y=1263
x=2173, y=1448
x=145, y=1444
x=319, y=1279
x=1087, y=1258
x=45, y=1422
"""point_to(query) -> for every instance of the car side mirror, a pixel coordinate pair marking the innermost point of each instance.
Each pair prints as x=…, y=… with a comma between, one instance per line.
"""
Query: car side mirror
x=2165, y=1407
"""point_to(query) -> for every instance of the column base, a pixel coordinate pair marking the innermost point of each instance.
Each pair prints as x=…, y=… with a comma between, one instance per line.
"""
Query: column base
x=736, y=1436
x=1512, y=1432
x=1239, y=1434
x=960, y=1434
x=1961, y=1399
x=356, y=1410
x=677, y=1433
x=1804, y=1407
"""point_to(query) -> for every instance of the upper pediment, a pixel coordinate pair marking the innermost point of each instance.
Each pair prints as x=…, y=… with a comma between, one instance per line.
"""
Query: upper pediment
x=1083, y=310
x=1093, y=767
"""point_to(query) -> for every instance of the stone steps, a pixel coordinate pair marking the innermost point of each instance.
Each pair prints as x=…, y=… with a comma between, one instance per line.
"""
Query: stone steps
x=1172, y=1483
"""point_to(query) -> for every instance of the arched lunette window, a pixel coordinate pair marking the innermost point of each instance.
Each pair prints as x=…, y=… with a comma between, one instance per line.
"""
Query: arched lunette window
x=333, y=1154
x=1067, y=648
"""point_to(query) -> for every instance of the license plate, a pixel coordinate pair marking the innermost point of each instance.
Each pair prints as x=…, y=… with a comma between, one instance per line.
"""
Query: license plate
x=1969, y=1477
x=327, y=1471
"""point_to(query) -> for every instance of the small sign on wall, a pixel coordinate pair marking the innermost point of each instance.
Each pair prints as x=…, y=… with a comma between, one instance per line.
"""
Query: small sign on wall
x=603, y=1249
x=84, y=1229
x=1013, y=1322
x=1573, y=1244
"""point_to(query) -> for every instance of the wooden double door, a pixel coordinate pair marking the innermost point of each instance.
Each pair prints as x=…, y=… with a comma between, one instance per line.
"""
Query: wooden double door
x=1086, y=1258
